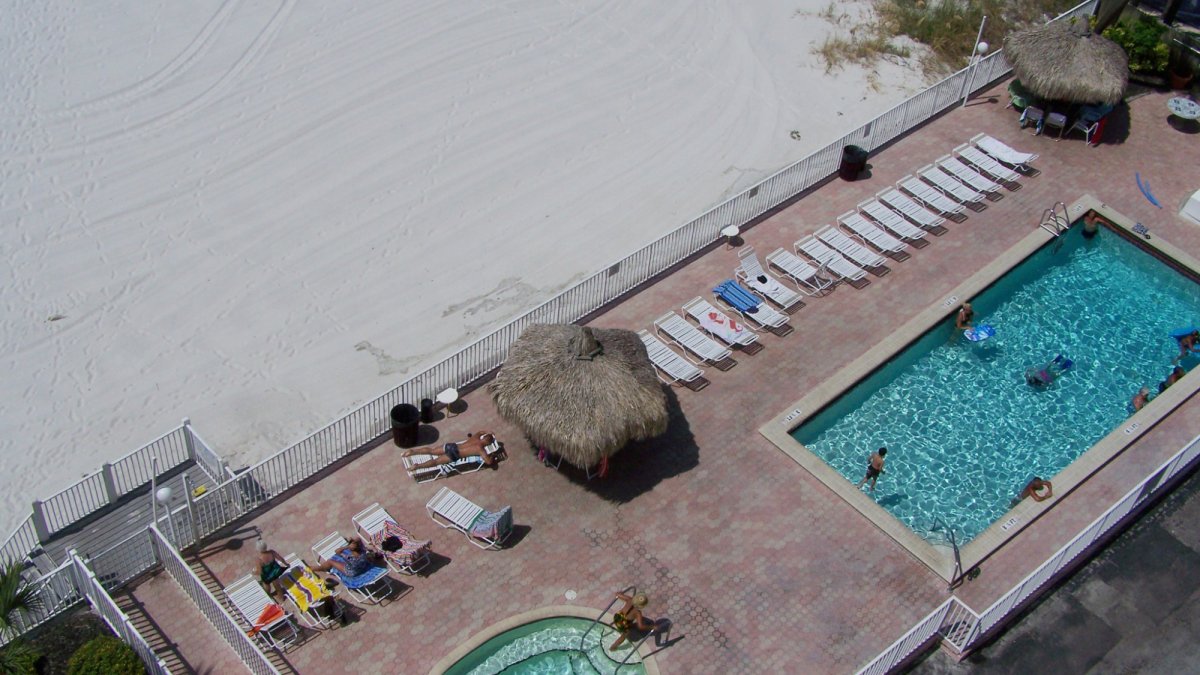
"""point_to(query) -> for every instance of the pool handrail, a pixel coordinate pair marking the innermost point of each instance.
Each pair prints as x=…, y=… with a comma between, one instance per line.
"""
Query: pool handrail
x=628, y=590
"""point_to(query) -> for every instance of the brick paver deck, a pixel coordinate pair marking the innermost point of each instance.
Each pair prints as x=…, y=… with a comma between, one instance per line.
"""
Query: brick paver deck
x=762, y=568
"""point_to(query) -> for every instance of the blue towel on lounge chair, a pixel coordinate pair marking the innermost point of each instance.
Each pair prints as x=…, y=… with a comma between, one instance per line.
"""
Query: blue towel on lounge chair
x=740, y=298
x=362, y=580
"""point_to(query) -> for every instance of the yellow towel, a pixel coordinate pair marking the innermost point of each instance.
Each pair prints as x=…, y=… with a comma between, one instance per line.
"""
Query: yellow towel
x=304, y=590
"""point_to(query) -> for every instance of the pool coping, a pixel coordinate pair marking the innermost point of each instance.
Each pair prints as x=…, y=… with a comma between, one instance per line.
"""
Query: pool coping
x=537, y=614
x=939, y=558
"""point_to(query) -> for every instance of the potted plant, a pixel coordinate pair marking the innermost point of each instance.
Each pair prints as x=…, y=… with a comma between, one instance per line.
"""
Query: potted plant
x=1143, y=40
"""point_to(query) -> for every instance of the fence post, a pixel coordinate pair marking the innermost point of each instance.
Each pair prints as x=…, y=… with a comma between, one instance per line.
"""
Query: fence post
x=110, y=482
x=191, y=509
x=187, y=439
x=39, y=521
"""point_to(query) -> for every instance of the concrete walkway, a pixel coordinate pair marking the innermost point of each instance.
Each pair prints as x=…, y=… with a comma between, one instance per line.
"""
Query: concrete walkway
x=1135, y=608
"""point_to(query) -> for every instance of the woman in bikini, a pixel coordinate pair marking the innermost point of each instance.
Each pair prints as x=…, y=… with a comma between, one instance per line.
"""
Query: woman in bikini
x=630, y=618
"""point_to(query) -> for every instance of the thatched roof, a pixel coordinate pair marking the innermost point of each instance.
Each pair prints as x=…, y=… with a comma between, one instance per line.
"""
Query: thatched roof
x=582, y=408
x=1067, y=62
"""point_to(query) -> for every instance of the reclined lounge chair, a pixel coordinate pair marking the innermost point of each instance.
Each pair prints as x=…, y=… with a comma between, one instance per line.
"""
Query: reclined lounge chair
x=853, y=250
x=893, y=221
x=951, y=186
x=371, y=586
x=715, y=322
x=462, y=465
x=873, y=234
x=806, y=277
x=485, y=529
x=751, y=307
x=913, y=211
x=1004, y=153
x=264, y=618
x=403, y=552
x=932, y=197
x=969, y=175
x=687, y=336
x=985, y=163
x=675, y=367
x=831, y=260
x=315, y=602
x=752, y=274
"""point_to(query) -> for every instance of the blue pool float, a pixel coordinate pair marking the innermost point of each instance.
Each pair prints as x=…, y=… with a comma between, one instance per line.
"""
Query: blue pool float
x=980, y=333
x=1180, y=333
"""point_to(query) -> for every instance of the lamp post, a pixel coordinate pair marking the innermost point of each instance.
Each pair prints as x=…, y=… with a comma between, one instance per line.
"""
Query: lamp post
x=163, y=496
x=977, y=53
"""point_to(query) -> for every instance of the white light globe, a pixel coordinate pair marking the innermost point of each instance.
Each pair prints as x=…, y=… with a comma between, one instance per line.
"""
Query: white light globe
x=982, y=48
x=163, y=495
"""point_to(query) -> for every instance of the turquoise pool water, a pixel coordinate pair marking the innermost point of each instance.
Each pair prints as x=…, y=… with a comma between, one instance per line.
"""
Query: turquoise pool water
x=964, y=430
x=549, y=647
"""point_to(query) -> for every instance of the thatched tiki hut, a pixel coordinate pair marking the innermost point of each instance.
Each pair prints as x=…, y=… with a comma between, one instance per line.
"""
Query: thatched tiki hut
x=1062, y=61
x=582, y=393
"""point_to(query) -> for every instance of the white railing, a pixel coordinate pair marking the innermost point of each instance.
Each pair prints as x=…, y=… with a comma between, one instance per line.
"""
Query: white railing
x=54, y=592
x=123, y=561
x=107, y=608
x=204, y=455
x=18, y=544
x=967, y=630
x=212, y=609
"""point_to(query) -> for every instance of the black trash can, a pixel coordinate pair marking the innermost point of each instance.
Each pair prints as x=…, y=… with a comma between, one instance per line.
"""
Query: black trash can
x=426, y=411
x=405, y=421
x=854, y=162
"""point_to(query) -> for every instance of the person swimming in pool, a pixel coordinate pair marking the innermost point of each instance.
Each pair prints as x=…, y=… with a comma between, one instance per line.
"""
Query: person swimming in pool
x=966, y=314
x=475, y=446
x=1045, y=376
x=1141, y=399
x=874, y=468
x=1188, y=344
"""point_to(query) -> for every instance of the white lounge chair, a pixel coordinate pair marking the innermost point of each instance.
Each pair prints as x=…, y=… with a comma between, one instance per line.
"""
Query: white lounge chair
x=487, y=530
x=308, y=594
x=931, y=197
x=951, y=186
x=829, y=259
x=847, y=246
x=1004, y=153
x=714, y=322
x=871, y=233
x=669, y=363
x=460, y=465
x=751, y=307
x=892, y=220
x=250, y=600
x=375, y=525
x=912, y=210
x=806, y=277
x=751, y=273
x=370, y=586
x=968, y=174
x=985, y=163
x=684, y=334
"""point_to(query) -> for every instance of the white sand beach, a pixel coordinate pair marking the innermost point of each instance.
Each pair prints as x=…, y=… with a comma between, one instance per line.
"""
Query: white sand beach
x=261, y=214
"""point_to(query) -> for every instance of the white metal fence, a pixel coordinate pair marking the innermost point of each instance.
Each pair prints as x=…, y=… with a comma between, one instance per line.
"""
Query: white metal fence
x=107, y=608
x=212, y=609
x=967, y=630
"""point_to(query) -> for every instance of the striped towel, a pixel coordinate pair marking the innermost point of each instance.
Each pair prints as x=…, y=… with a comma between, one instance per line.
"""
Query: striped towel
x=304, y=590
x=409, y=550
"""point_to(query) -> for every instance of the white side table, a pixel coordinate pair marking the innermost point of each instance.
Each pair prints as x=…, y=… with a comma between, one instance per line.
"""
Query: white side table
x=446, y=398
x=730, y=232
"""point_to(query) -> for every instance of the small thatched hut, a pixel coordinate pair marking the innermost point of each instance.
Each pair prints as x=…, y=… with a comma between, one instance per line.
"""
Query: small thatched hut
x=1062, y=61
x=582, y=393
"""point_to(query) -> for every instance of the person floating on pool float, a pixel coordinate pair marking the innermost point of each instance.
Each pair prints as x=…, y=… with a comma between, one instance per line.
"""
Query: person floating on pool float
x=874, y=468
x=1140, y=399
x=1188, y=344
x=1040, y=490
x=1045, y=376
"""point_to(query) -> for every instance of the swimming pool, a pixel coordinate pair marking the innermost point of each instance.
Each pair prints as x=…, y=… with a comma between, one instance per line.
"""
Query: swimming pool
x=549, y=646
x=965, y=431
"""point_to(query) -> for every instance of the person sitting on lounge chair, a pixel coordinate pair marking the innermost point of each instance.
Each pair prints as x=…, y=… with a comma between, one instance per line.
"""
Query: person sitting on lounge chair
x=351, y=560
x=475, y=446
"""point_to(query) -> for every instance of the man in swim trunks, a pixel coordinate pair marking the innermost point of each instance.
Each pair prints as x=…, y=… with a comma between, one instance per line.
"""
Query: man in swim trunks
x=965, y=316
x=474, y=446
x=874, y=468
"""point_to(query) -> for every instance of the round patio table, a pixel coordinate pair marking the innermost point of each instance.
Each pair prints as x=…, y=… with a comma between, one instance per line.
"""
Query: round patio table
x=1185, y=110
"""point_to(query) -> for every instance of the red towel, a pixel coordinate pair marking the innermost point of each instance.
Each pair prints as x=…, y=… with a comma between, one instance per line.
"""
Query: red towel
x=270, y=614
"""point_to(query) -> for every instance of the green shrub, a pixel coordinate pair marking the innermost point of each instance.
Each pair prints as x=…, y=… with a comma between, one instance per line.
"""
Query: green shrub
x=18, y=658
x=1143, y=41
x=105, y=655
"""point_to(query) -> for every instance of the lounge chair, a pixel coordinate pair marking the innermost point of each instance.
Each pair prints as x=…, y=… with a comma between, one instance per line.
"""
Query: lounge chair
x=1003, y=153
x=671, y=364
x=888, y=218
x=931, y=197
x=370, y=586
x=987, y=164
x=918, y=214
x=376, y=526
x=714, y=322
x=684, y=334
x=829, y=259
x=806, y=277
x=968, y=174
x=853, y=250
x=951, y=186
x=314, y=601
x=751, y=307
x=461, y=465
x=751, y=273
x=264, y=618
x=874, y=235
x=487, y=530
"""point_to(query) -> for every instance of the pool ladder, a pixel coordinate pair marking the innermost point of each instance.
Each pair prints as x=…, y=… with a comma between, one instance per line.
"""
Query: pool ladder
x=630, y=591
x=1054, y=221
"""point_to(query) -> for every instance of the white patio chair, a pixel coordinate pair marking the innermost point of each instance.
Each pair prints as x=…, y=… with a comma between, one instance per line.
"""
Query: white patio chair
x=250, y=600
x=912, y=210
x=986, y=163
x=684, y=334
x=751, y=273
x=891, y=220
x=715, y=322
x=309, y=611
x=873, y=234
x=950, y=185
x=1004, y=153
x=371, y=586
x=931, y=197
x=847, y=246
x=829, y=259
x=668, y=362
x=968, y=174
x=453, y=511
x=374, y=525
x=806, y=277
x=750, y=307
